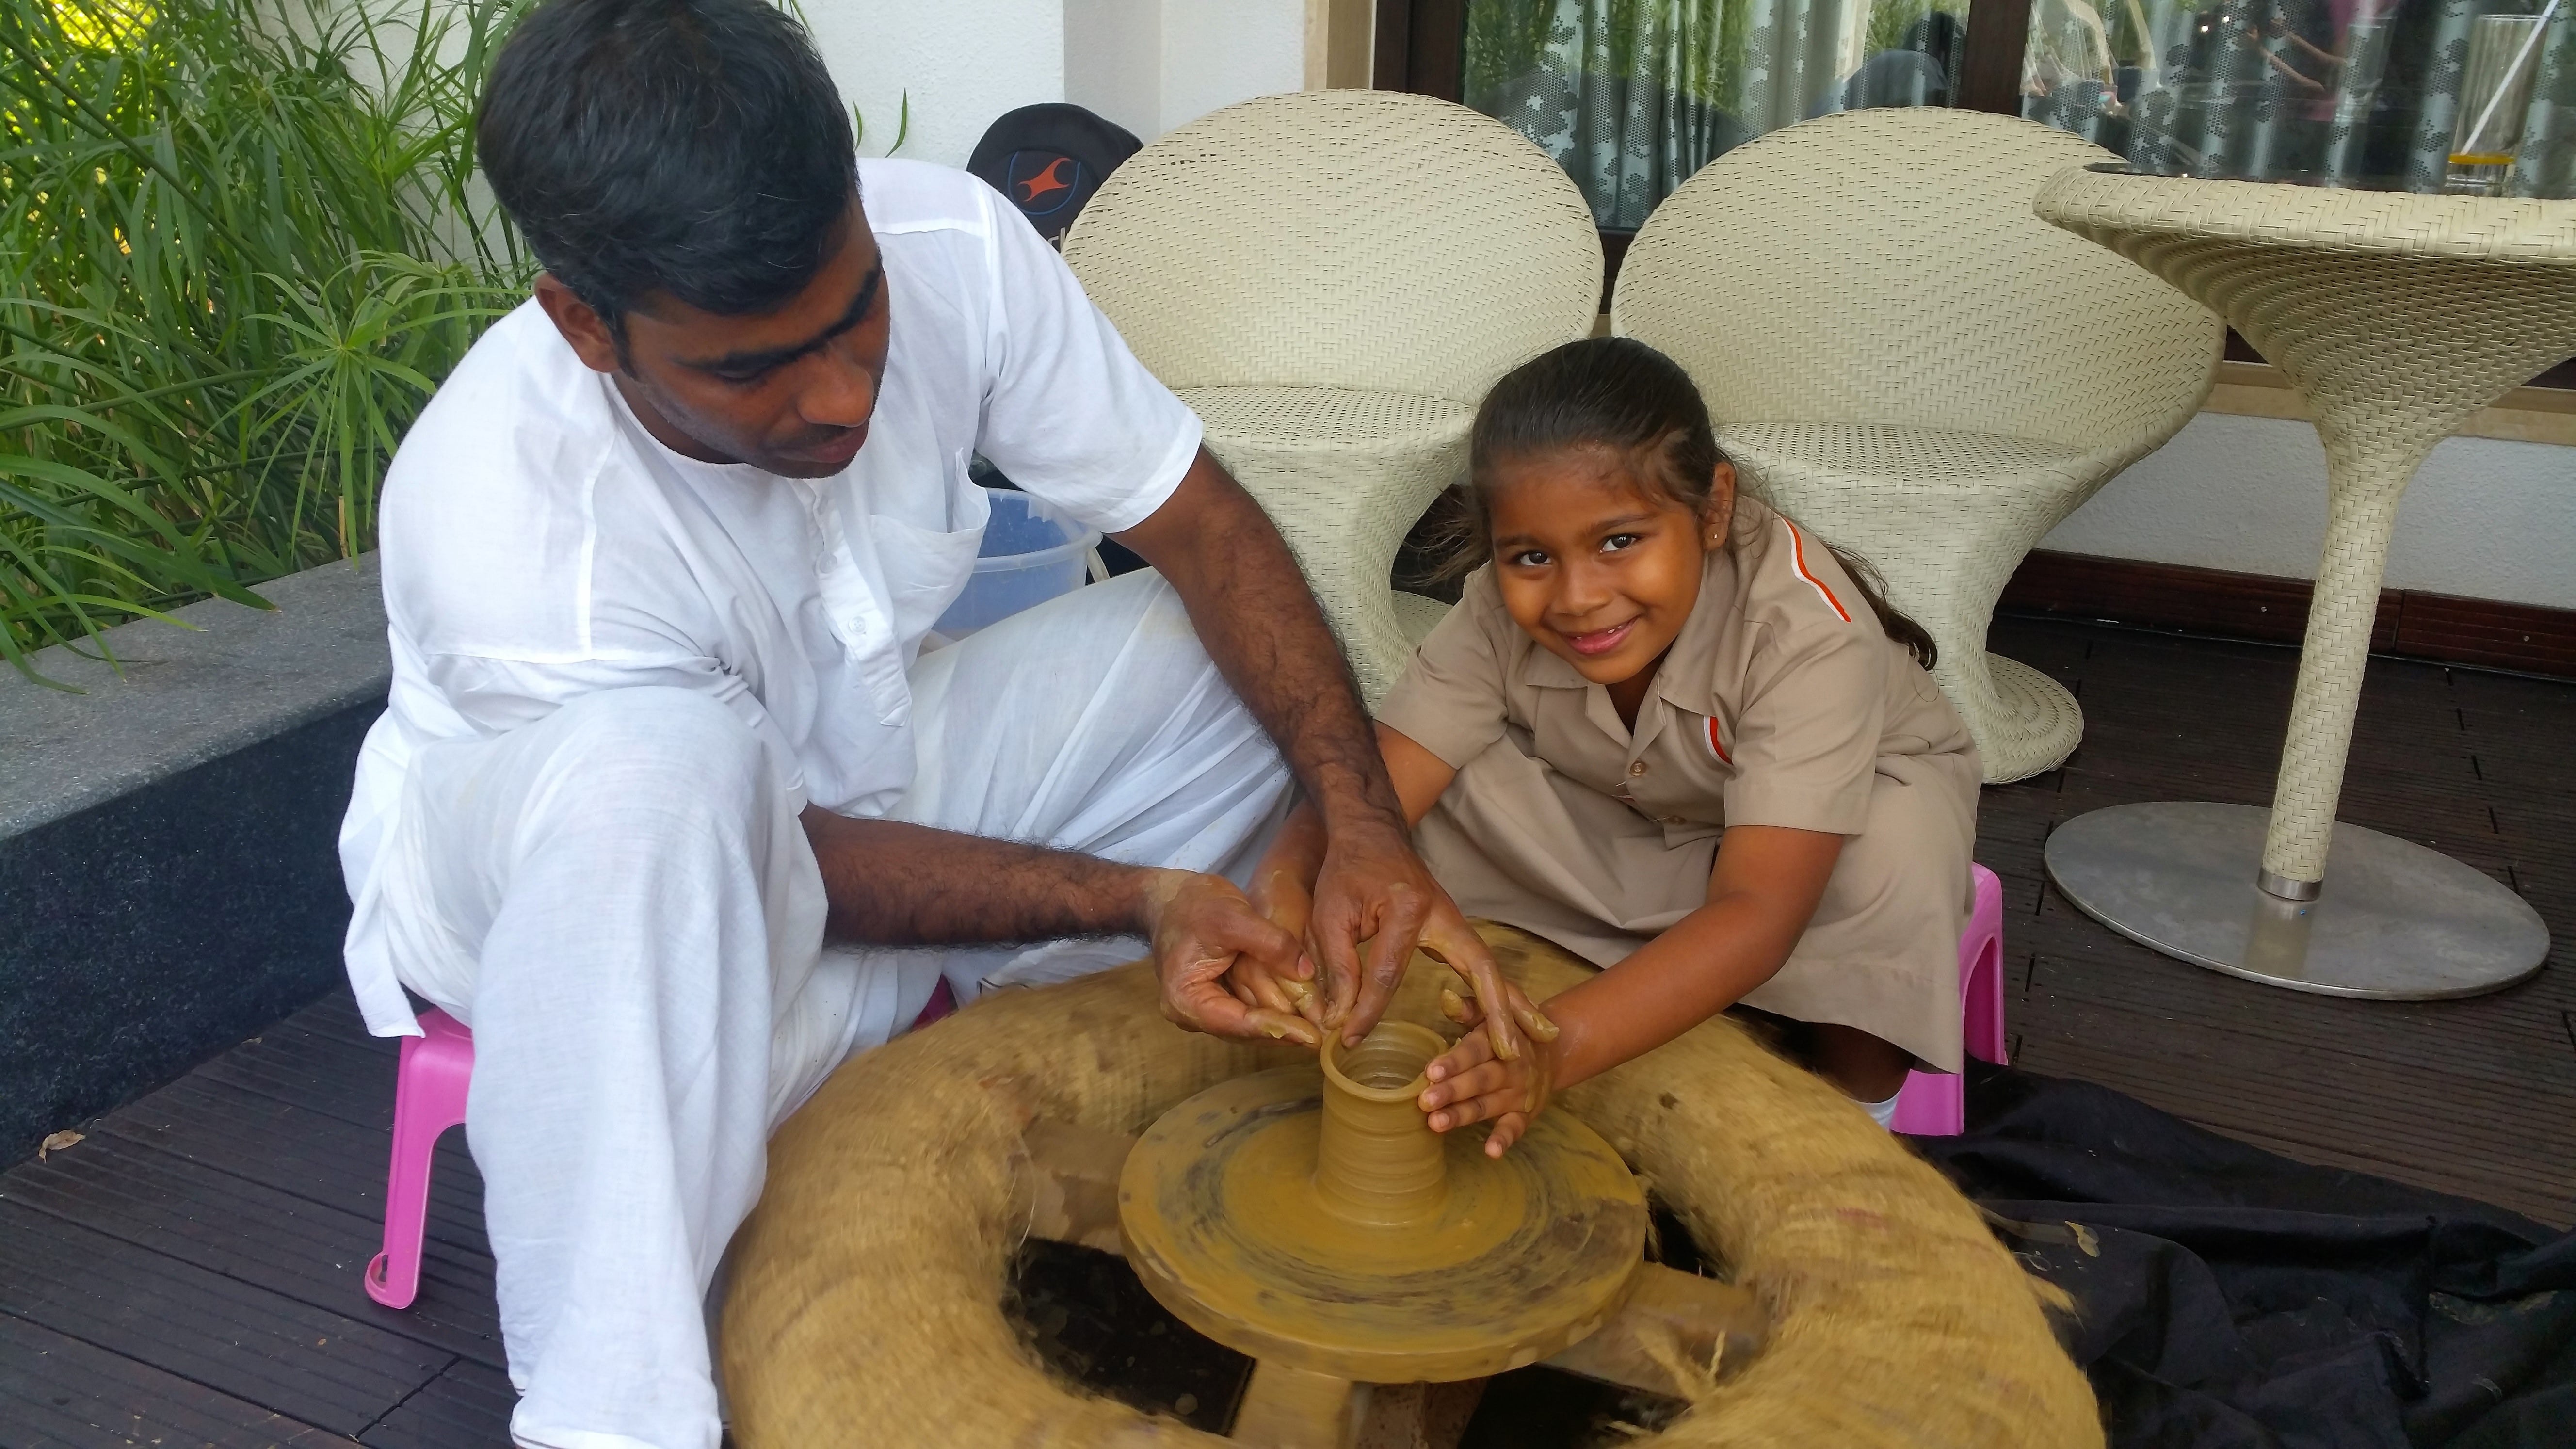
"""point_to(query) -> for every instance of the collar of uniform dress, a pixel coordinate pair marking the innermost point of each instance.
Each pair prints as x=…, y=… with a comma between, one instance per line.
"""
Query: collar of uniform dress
x=1688, y=678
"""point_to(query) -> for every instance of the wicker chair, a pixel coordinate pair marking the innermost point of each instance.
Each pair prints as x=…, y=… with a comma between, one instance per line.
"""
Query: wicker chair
x=1332, y=279
x=1902, y=355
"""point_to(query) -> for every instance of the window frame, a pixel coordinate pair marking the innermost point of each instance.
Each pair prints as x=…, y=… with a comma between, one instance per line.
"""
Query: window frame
x=1421, y=47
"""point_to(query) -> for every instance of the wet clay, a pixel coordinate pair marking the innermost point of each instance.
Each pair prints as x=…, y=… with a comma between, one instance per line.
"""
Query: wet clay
x=1377, y=1161
x=1309, y=1215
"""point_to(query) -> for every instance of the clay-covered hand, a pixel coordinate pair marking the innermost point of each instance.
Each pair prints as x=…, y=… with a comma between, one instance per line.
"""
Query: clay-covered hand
x=1284, y=901
x=1203, y=929
x=1470, y=1084
x=1449, y=940
x=1374, y=888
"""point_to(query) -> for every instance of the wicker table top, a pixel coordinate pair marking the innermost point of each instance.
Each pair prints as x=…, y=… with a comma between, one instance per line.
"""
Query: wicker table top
x=2463, y=228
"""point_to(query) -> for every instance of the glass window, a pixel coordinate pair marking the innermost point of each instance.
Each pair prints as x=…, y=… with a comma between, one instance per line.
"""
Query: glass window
x=2473, y=96
x=1632, y=96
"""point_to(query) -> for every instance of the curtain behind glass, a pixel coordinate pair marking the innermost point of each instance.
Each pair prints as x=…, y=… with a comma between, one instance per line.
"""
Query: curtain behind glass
x=2475, y=96
x=1632, y=96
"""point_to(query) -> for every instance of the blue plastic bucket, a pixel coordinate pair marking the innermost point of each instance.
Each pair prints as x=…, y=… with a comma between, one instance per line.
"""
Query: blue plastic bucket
x=1024, y=560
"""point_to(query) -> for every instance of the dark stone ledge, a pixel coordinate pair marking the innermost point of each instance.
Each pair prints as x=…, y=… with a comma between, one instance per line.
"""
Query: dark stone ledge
x=169, y=877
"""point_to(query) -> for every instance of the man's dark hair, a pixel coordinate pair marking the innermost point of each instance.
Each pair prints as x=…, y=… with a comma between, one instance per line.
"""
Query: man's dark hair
x=694, y=147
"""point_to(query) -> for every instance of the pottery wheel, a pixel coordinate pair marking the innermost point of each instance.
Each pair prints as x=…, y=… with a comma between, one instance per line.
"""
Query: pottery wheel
x=1420, y=1260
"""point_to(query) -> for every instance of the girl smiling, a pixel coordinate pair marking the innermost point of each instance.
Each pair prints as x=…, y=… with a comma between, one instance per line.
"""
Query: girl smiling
x=1672, y=732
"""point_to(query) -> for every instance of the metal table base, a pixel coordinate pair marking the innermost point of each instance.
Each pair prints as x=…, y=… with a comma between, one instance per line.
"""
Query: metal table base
x=2395, y=921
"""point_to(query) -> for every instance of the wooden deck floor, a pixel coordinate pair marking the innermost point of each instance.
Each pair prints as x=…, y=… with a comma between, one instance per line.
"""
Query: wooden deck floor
x=188, y=1273
x=2473, y=1097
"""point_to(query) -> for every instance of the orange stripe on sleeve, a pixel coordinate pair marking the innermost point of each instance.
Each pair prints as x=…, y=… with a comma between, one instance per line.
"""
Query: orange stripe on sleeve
x=1798, y=555
x=1715, y=743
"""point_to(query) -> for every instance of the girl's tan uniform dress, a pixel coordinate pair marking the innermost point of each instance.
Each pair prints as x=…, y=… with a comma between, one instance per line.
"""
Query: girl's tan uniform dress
x=1781, y=703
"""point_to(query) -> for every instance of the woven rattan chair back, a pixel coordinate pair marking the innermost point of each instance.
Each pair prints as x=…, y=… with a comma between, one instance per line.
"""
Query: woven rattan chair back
x=1884, y=267
x=1332, y=279
x=1347, y=239
x=1898, y=352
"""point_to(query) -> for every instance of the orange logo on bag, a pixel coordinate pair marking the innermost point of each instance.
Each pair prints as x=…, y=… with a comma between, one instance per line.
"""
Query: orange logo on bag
x=1046, y=183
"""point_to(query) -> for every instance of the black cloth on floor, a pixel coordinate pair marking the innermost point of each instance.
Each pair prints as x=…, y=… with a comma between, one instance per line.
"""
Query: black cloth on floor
x=2227, y=1298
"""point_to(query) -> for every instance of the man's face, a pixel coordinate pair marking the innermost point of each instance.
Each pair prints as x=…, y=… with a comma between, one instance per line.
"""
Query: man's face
x=789, y=390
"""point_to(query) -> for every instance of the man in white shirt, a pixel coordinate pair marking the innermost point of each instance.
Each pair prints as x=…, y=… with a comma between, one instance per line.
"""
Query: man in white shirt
x=672, y=805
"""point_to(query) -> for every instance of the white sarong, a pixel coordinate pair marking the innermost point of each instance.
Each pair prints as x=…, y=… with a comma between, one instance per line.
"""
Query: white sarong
x=620, y=902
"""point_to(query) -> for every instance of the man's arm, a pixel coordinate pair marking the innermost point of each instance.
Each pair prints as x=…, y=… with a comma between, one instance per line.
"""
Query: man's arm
x=891, y=883
x=1260, y=623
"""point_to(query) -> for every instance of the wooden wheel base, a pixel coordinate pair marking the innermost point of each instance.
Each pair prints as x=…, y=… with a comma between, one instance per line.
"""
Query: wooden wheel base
x=1668, y=1320
x=876, y=1260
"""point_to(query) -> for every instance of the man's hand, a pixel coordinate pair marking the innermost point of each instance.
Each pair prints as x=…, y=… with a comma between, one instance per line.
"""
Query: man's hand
x=1203, y=929
x=1280, y=893
x=1373, y=888
x=1470, y=1084
x=1261, y=625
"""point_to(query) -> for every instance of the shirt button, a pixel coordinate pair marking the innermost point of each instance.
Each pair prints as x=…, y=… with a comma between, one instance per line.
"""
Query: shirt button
x=1672, y=820
x=1636, y=769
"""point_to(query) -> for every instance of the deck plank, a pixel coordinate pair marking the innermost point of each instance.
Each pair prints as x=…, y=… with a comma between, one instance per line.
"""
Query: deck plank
x=336, y=1017
x=2498, y=1043
x=318, y=1069
x=2475, y=1097
x=2520, y=1155
x=242, y=1229
x=310, y=1365
x=57, y=1392
x=318, y=1157
x=467, y=1407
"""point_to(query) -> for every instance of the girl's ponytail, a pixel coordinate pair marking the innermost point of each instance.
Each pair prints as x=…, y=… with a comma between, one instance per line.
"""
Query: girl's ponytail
x=1899, y=627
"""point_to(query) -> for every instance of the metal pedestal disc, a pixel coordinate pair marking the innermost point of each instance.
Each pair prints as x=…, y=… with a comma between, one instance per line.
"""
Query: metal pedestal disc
x=2395, y=921
x=1523, y=1257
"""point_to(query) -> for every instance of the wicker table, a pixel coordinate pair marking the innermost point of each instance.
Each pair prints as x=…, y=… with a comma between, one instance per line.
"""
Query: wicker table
x=2396, y=316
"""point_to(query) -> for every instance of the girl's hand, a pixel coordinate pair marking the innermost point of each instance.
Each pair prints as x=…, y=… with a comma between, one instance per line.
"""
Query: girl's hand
x=1471, y=1084
x=1448, y=939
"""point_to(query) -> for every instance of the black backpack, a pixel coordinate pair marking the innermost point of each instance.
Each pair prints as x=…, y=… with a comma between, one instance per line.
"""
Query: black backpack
x=1048, y=159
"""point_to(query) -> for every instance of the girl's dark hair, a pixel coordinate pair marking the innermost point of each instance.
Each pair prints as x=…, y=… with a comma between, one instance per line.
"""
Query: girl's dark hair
x=1618, y=393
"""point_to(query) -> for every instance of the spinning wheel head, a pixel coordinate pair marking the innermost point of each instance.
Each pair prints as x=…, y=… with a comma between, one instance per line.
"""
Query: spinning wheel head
x=1309, y=1216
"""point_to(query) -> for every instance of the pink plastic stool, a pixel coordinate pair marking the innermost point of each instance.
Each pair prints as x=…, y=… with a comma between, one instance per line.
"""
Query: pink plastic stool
x=1931, y=1104
x=429, y=1098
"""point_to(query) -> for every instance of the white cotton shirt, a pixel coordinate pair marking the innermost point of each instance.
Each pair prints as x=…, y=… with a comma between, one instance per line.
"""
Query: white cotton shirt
x=538, y=544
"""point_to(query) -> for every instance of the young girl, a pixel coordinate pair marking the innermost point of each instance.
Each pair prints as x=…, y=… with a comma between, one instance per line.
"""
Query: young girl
x=1674, y=733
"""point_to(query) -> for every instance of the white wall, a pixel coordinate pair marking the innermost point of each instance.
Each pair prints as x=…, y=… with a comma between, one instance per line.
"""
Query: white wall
x=1113, y=61
x=963, y=62
x=1217, y=52
x=1151, y=65
x=2486, y=519
x=1147, y=64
